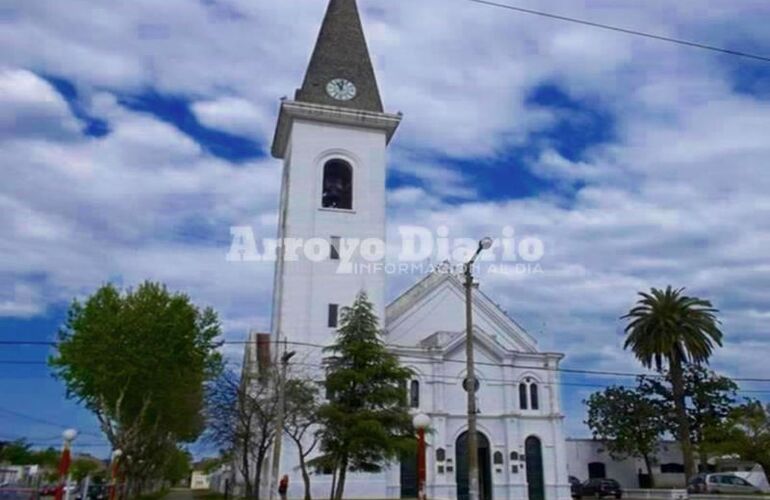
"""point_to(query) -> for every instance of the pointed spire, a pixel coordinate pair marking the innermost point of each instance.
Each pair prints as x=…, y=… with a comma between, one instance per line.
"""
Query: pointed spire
x=341, y=53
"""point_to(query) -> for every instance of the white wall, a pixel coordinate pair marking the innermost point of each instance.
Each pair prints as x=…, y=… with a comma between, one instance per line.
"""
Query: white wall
x=581, y=452
x=305, y=288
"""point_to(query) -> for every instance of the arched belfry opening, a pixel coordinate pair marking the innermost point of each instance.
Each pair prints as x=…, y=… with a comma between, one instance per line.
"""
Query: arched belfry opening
x=337, y=185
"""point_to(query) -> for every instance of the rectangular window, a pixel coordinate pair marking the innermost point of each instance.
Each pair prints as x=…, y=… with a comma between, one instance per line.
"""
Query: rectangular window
x=333, y=314
x=334, y=248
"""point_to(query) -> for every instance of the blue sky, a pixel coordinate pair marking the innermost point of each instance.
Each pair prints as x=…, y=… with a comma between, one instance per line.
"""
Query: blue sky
x=132, y=137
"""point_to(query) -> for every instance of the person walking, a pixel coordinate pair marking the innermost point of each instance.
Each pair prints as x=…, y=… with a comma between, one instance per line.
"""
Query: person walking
x=283, y=487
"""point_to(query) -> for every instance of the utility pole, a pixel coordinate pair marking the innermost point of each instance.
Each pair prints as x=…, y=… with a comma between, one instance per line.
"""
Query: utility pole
x=470, y=387
x=278, y=439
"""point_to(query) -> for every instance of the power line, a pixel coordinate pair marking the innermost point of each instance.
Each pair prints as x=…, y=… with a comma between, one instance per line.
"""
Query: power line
x=576, y=371
x=627, y=31
x=28, y=342
x=437, y=377
x=32, y=418
x=427, y=356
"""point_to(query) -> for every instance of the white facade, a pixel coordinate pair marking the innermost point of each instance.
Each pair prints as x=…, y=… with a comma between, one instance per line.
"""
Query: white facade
x=425, y=325
x=425, y=328
x=304, y=288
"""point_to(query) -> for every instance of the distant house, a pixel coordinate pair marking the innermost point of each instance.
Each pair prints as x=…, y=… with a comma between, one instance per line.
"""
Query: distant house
x=200, y=480
x=589, y=459
x=18, y=474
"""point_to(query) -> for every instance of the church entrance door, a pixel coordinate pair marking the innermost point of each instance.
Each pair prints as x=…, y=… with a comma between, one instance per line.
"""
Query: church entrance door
x=485, y=469
x=409, y=475
x=534, y=455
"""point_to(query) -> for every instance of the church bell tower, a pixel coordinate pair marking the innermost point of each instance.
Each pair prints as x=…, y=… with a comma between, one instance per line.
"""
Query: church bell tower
x=332, y=138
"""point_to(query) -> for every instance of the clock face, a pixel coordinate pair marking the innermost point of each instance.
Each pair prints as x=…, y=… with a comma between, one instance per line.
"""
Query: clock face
x=341, y=89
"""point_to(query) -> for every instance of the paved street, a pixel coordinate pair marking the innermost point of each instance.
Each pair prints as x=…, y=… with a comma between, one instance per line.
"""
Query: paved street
x=179, y=494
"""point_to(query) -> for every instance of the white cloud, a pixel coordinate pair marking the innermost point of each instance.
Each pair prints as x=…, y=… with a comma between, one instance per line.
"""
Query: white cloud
x=31, y=107
x=678, y=195
x=235, y=115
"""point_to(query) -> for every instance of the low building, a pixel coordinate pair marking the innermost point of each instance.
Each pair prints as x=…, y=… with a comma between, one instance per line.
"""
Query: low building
x=200, y=480
x=589, y=459
x=18, y=474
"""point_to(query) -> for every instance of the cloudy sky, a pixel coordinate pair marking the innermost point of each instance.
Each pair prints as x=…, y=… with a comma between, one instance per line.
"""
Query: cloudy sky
x=133, y=135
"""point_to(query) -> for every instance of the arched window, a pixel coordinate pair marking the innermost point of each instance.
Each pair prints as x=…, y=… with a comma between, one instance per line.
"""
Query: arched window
x=440, y=455
x=533, y=396
x=498, y=458
x=597, y=470
x=414, y=394
x=514, y=456
x=337, y=185
x=523, y=396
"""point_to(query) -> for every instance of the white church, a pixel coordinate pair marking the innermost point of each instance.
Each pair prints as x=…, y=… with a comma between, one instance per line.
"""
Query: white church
x=332, y=138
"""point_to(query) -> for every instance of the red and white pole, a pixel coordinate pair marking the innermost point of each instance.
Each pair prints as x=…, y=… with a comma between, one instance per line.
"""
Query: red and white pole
x=62, y=489
x=114, y=473
x=421, y=422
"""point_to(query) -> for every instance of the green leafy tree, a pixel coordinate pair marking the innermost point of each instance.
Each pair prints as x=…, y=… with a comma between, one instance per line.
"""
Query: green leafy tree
x=302, y=411
x=748, y=434
x=48, y=457
x=365, y=423
x=139, y=360
x=710, y=398
x=666, y=325
x=627, y=422
x=84, y=466
x=17, y=452
x=178, y=466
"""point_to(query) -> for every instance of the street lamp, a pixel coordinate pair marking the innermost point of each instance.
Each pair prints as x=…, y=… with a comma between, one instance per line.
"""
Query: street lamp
x=113, y=482
x=473, y=454
x=421, y=422
x=63, y=491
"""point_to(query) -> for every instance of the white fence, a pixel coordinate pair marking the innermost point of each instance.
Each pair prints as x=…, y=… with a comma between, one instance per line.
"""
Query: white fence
x=637, y=494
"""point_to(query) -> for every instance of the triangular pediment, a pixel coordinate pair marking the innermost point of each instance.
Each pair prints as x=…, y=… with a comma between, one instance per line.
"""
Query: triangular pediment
x=432, y=314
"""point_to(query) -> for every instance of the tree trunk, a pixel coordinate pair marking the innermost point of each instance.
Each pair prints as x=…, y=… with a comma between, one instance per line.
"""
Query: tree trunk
x=648, y=464
x=245, y=470
x=341, y=481
x=677, y=389
x=305, y=475
x=258, y=476
x=334, y=483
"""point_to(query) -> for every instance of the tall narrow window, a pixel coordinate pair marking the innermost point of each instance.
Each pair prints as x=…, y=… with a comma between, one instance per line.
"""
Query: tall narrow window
x=523, y=396
x=333, y=313
x=337, y=185
x=414, y=394
x=534, y=397
x=334, y=248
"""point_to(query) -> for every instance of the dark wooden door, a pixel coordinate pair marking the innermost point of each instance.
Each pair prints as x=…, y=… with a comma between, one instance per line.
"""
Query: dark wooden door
x=535, y=481
x=461, y=469
x=409, y=475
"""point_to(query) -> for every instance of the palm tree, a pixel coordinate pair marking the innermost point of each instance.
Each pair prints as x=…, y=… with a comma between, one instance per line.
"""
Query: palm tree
x=666, y=325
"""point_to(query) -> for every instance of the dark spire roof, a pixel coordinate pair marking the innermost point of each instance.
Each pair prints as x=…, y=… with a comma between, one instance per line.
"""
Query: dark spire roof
x=341, y=52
